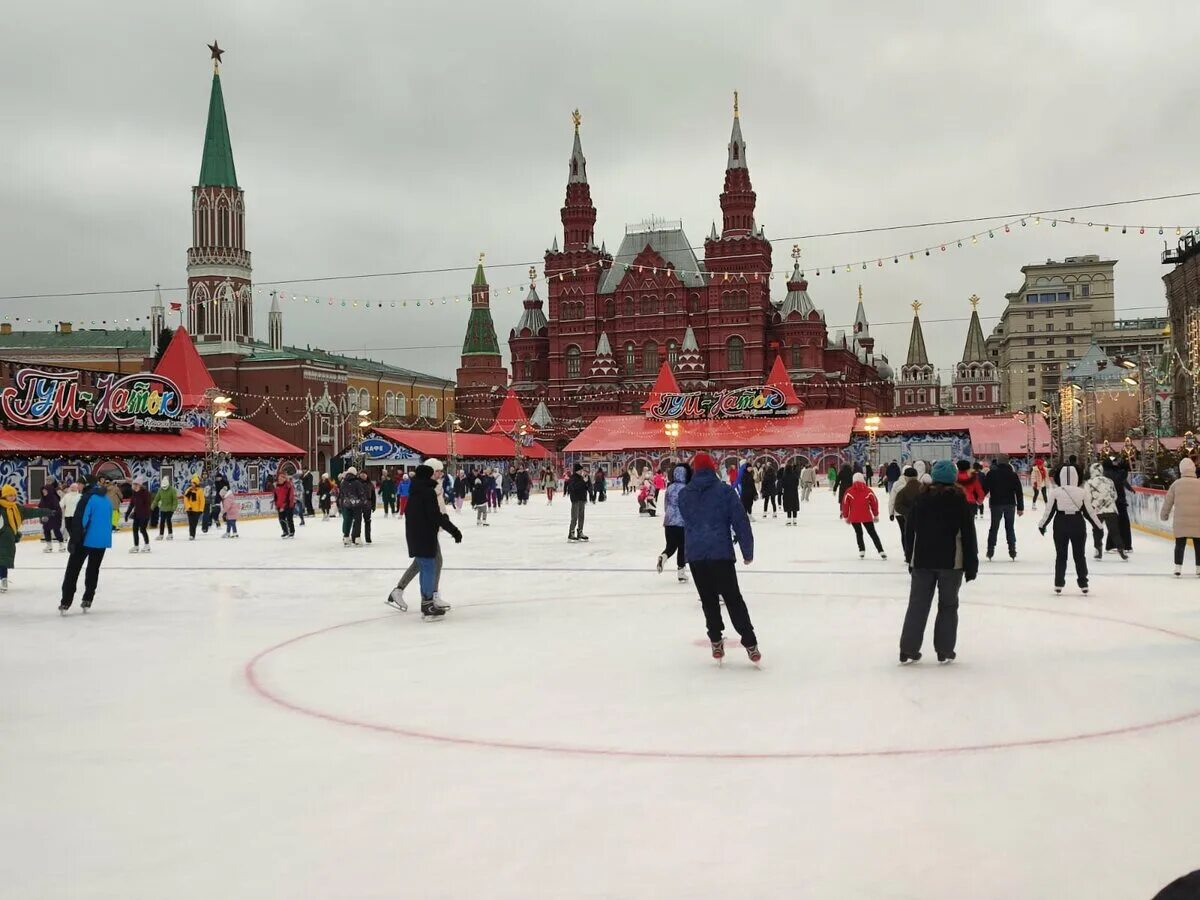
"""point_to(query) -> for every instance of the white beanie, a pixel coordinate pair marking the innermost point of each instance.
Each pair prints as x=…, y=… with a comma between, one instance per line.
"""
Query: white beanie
x=926, y=479
x=1187, y=468
x=435, y=464
x=859, y=478
x=352, y=471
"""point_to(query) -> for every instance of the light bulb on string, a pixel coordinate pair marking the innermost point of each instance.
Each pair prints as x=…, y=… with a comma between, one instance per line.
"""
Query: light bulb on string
x=1037, y=220
x=1054, y=223
x=1123, y=229
x=1106, y=229
x=1160, y=231
x=1142, y=230
x=1178, y=231
x=1023, y=223
x=974, y=239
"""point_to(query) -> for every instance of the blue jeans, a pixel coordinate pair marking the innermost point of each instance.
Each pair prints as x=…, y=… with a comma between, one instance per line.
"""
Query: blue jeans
x=231, y=526
x=1009, y=515
x=428, y=575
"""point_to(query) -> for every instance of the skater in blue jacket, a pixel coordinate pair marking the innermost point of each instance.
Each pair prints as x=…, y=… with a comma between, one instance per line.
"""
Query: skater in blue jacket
x=713, y=518
x=95, y=531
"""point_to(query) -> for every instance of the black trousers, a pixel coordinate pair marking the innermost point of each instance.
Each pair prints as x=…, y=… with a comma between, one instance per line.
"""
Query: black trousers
x=947, y=583
x=352, y=523
x=366, y=517
x=308, y=503
x=1124, y=528
x=193, y=521
x=748, y=504
x=287, y=520
x=904, y=541
x=389, y=505
x=870, y=529
x=769, y=499
x=716, y=579
x=93, y=556
x=1112, y=522
x=1181, y=545
x=1070, y=532
x=139, y=528
x=165, y=524
x=1008, y=515
x=674, y=535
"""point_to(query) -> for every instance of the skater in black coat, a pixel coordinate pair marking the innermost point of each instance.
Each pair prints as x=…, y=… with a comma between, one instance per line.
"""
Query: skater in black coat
x=941, y=524
x=770, y=491
x=790, y=483
x=422, y=522
x=845, y=478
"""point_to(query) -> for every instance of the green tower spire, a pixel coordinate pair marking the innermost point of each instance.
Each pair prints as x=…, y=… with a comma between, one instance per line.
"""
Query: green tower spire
x=216, y=167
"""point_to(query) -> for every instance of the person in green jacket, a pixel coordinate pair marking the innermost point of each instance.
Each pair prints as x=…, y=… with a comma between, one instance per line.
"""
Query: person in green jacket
x=832, y=476
x=166, y=500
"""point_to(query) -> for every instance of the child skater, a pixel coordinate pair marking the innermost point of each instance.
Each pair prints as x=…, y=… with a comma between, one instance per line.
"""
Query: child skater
x=52, y=520
x=166, y=501
x=673, y=524
x=11, y=516
x=139, y=510
x=1071, y=512
x=480, y=500
x=230, y=508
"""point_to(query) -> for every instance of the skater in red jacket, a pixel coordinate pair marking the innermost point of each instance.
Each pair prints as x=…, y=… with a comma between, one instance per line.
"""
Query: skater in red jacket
x=860, y=508
x=972, y=486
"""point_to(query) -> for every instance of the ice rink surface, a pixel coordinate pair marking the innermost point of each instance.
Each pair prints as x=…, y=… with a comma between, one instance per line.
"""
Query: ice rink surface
x=247, y=719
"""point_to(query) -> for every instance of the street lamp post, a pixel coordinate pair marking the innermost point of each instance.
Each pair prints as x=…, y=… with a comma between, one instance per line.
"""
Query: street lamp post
x=672, y=431
x=218, y=411
x=518, y=443
x=453, y=426
x=872, y=426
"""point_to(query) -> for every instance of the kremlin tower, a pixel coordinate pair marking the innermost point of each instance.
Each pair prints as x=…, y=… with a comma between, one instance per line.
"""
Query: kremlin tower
x=481, y=377
x=220, y=308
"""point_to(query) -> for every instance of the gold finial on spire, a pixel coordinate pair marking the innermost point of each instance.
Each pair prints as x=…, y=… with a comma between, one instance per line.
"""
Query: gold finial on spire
x=532, y=274
x=735, y=104
x=916, y=305
x=576, y=118
x=481, y=256
x=860, y=293
x=974, y=301
x=796, y=252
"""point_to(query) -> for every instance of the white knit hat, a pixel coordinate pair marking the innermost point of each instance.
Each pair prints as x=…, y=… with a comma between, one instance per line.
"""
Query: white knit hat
x=435, y=464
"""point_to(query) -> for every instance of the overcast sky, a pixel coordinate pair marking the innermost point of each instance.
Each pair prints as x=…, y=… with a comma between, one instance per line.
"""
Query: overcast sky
x=376, y=137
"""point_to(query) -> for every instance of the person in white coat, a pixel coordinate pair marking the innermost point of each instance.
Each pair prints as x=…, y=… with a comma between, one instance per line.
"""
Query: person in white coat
x=1183, y=499
x=1102, y=495
x=1071, y=513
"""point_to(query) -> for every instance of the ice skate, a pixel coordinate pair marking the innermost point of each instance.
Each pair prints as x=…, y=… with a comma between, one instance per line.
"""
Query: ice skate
x=582, y=537
x=135, y=549
x=396, y=599
x=439, y=602
x=3, y=585
x=1178, y=571
x=681, y=576
x=718, y=651
x=170, y=537
x=906, y=658
x=62, y=548
x=661, y=559
x=862, y=554
x=85, y=607
x=1099, y=555
x=145, y=548
x=62, y=610
x=755, y=656
x=946, y=658
x=1124, y=556
x=882, y=555
x=159, y=538
x=345, y=542
x=1057, y=590
x=1084, y=589
x=226, y=536
x=48, y=548
x=572, y=538
x=1012, y=554
x=430, y=612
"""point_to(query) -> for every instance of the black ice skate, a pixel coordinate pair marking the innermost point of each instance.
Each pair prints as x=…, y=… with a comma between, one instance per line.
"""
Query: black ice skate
x=906, y=658
x=430, y=611
x=62, y=609
x=718, y=650
x=946, y=658
x=581, y=537
x=661, y=559
x=755, y=656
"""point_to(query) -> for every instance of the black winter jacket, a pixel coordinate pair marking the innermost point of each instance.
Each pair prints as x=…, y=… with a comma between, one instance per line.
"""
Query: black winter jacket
x=423, y=518
x=1004, y=487
x=790, y=481
x=941, y=526
x=577, y=487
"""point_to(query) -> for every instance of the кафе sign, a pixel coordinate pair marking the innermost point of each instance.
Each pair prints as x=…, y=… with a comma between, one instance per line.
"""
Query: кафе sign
x=42, y=399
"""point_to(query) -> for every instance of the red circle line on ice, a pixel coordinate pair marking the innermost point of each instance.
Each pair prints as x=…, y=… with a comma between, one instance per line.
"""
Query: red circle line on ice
x=253, y=678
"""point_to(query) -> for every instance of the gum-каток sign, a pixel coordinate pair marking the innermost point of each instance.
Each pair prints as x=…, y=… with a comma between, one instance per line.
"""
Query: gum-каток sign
x=40, y=399
x=733, y=404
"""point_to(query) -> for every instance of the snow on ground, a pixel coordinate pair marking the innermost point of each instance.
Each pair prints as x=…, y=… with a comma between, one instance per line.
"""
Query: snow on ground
x=248, y=719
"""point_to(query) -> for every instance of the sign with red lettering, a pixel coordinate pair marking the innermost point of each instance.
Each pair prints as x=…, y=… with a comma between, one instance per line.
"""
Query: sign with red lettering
x=42, y=399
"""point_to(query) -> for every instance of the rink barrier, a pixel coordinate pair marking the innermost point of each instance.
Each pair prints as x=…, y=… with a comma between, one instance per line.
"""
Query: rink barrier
x=1145, y=511
x=251, y=505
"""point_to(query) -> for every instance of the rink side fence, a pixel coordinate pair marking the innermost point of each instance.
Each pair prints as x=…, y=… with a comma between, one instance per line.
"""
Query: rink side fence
x=254, y=505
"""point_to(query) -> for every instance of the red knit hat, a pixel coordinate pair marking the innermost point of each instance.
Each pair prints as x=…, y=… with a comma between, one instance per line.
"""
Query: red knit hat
x=702, y=461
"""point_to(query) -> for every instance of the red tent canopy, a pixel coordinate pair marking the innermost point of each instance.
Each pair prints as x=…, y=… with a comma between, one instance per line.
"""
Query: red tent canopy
x=664, y=384
x=511, y=416
x=811, y=428
x=183, y=365
x=238, y=438
x=479, y=446
x=779, y=378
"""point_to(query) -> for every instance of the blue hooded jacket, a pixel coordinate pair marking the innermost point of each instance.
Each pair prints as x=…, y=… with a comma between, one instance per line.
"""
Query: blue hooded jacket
x=96, y=519
x=671, y=515
x=712, y=517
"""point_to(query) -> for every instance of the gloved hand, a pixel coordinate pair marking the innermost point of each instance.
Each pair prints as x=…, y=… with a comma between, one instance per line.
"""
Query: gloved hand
x=971, y=574
x=892, y=518
x=1042, y=529
x=458, y=537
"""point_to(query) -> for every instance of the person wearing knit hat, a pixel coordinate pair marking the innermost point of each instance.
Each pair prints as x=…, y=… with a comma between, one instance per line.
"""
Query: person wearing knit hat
x=95, y=538
x=1183, y=500
x=860, y=507
x=713, y=518
x=577, y=492
x=900, y=501
x=941, y=534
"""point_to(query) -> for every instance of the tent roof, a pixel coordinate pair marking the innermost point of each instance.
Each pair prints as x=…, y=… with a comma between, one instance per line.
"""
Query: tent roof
x=238, y=437
x=665, y=383
x=811, y=428
x=182, y=364
x=510, y=417
x=779, y=378
x=480, y=446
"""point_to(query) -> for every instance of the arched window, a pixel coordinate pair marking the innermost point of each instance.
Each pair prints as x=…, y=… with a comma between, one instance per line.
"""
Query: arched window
x=735, y=354
x=908, y=398
x=351, y=400
x=630, y=358
x=422, y=406
x=400, y=405
x=921, y=395
x=573, y=364
x=431, y=407
x=610, y=308
x=981, y=393
x=735, y=300
x=669, y=304
x=649, y=306
x=389, y=404
x=672, y=353
x=650, y=357
x=797, y=356
x=222, y=224
x=527, y=368
x=694, y=304
x=629, y=306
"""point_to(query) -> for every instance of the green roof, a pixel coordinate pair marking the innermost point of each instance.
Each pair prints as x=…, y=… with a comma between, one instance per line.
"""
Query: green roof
x=89, y=338
x=216, y=168
x=481, y=334
x=263, y=351
x=480, y=280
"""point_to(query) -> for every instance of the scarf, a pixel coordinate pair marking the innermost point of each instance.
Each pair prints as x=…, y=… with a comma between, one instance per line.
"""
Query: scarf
x=12, y=513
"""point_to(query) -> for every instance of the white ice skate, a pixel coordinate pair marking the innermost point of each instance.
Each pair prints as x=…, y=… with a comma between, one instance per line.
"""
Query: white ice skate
x=439, y=602
x=345, y=542
x=159, y=538
x=48, y=548
x=135, y=550
x=396, y=599
x=62, y=548
x=681, y=576
x=145, y=548
x=3, y=585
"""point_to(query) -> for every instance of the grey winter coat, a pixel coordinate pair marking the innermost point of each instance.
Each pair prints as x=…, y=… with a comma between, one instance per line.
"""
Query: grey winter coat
x=1183, y=499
